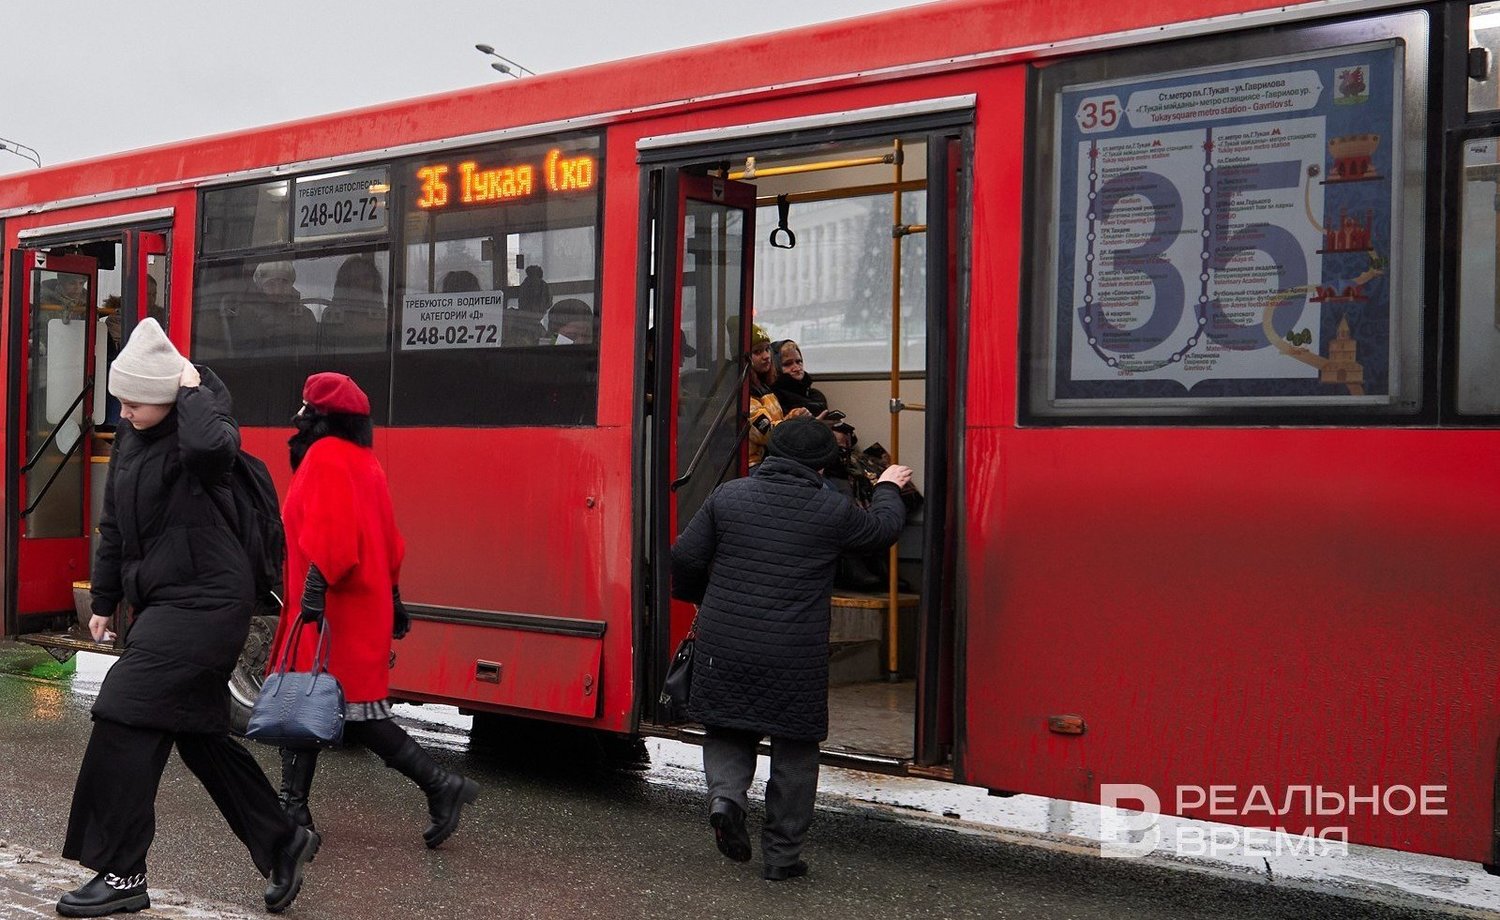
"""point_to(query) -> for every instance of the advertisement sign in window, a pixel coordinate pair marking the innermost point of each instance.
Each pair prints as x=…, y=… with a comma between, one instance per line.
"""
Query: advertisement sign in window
x=1226, y=235
x=340, y=204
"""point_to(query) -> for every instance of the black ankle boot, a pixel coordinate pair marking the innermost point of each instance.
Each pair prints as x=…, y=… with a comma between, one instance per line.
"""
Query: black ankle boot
x=447, y=792
x=730, y=834
x=289, y=868
x=104, y=894
x=297, y=769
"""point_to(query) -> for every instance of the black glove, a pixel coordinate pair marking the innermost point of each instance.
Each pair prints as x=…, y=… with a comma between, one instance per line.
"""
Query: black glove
x=313, y=591
x=401, y=625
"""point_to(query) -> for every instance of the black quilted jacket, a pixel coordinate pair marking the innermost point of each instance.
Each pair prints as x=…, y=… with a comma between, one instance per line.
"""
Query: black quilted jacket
x=759, y=558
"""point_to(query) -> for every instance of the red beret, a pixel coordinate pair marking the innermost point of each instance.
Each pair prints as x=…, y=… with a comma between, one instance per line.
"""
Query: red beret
x=329, y=392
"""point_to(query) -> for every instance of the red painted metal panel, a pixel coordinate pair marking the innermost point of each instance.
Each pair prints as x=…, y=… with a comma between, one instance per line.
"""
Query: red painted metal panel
x=530, y=521
x=538, y=672
x=46, y=572
x=1247, y=607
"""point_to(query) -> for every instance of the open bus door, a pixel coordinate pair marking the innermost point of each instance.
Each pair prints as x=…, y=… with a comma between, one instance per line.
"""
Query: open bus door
x=707, y=245
x=145, y=282
x=53, y=335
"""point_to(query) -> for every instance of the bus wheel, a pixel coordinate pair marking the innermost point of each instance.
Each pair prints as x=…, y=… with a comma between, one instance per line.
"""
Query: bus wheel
x=250, y=672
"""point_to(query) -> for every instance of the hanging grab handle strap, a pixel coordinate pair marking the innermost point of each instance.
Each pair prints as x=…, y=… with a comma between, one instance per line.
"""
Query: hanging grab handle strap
x=783, y=207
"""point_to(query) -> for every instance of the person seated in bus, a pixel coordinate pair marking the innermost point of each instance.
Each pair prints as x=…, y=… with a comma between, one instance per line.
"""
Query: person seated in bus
x=278, y=282
x=459, y=282
x=279, y=323
x=794, y=385
x=533, y=295
x=855, y=475
x=569, y=322
x=355, y=320
x=761, y=659
x=765, y=408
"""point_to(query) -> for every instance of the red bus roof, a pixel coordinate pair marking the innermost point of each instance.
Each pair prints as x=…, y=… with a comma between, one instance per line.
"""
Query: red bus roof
x=929, y=32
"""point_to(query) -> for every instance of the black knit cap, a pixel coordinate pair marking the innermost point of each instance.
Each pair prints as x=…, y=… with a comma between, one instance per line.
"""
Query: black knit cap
x=805, y=440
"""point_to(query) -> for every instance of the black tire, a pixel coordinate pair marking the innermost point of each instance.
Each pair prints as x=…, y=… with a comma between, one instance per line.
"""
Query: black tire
x=250, y=672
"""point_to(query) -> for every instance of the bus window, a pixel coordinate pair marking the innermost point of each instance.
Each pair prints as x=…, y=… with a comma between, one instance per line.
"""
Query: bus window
x=1478, y=390
x=265, y=323
x=1484, y=37
x=500, y=287
x=245, y=217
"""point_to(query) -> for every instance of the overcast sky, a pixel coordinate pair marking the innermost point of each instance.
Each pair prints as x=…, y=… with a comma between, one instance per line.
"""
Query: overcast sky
x=90, y=77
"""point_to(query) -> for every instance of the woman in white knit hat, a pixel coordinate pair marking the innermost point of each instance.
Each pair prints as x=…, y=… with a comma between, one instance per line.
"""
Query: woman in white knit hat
x=168, y=552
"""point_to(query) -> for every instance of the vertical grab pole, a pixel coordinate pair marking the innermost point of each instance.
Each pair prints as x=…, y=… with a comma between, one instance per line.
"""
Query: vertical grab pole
x=893, y=601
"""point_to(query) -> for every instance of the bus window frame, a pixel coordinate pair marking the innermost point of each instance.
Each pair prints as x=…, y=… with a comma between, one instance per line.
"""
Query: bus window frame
x=1413, y=322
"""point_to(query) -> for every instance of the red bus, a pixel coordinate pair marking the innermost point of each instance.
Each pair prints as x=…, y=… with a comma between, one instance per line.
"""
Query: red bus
x=1177, y=307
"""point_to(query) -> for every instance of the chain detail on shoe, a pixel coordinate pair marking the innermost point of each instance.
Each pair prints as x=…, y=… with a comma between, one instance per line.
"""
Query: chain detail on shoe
x=124, y=882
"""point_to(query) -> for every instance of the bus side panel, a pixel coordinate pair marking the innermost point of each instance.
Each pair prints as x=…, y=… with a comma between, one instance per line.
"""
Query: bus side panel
x=543, y=531
x=1249, y=608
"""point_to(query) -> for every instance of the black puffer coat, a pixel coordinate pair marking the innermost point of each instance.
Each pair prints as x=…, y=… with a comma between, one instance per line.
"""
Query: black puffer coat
x=759, y=558
x=169, y=548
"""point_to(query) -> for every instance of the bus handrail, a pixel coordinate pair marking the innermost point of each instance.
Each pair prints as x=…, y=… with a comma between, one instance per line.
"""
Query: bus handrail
x=692, y=467
x=52, y=435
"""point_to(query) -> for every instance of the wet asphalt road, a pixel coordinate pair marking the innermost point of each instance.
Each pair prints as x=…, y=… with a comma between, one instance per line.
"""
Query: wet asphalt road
x=568, y=839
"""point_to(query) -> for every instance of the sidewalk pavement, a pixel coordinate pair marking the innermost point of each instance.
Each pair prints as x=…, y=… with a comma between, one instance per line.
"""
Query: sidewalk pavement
x=31, y=883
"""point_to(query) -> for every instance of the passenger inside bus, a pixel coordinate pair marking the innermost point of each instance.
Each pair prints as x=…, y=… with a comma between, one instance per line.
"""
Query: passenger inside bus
x=793, y=384
x=355, y=319
x=533, y=296
x=569, y=322
x=457, y=282
x=765, y=408
x=280, y=324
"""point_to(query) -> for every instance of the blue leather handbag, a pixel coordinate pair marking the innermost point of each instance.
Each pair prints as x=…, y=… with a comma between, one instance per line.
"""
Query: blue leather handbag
x=299, y=709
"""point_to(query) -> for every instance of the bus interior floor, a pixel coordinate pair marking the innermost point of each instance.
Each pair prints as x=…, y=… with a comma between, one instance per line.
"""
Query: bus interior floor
x=872, y=717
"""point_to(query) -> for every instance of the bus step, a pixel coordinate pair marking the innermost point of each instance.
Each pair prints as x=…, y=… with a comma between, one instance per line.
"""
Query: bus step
x=64, y=644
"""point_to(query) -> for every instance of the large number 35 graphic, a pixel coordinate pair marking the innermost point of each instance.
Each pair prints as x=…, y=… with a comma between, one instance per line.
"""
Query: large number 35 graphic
x=1221, y=247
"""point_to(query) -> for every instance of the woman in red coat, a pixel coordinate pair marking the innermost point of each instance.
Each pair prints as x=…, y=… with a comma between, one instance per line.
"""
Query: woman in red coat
x=343, y=566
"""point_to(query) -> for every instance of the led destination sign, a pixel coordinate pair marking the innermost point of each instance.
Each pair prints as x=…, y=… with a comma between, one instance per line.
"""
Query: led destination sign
x=442, y=185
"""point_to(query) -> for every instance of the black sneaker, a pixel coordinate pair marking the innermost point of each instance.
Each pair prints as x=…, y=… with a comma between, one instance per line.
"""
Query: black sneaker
x=105, y=894
x=728, y=820
x=782, y=873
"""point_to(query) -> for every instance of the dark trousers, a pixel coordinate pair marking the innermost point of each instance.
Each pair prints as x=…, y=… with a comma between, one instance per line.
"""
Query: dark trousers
x=729, y=766
x=381, y=737
x=113, y=820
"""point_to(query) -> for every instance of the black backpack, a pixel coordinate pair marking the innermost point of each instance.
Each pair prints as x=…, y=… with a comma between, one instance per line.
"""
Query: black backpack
x=260, y=531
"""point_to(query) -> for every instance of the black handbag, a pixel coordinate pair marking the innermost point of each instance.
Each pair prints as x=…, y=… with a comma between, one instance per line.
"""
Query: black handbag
x=299, y=708
x=679, y=681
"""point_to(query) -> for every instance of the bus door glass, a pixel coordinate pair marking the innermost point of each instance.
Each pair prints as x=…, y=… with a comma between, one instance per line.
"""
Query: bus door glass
x=715, y=234
x=55, y=325
x=145, y=284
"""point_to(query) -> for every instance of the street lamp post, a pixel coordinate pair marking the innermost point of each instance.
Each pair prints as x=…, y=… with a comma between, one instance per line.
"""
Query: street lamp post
x=505, y=65
x=21, y=150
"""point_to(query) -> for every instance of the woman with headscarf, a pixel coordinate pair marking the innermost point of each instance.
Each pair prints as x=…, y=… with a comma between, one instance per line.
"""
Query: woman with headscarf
x=766, y=411
x=794, y=385
x=343, y=566
x=168, y=550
